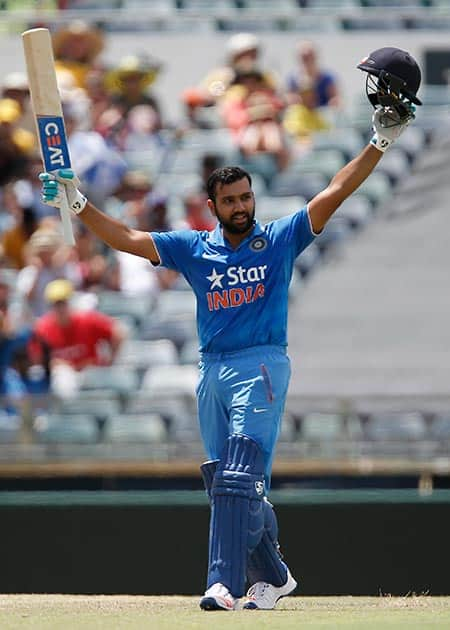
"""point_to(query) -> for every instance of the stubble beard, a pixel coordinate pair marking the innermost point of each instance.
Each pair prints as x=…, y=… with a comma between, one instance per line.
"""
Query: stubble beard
x=232, y=228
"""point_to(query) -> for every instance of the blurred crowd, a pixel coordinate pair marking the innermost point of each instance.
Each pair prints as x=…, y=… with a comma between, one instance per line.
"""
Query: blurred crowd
x=50, y=324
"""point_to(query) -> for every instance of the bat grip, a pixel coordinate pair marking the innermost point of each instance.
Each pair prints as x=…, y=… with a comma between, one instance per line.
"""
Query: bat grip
x=64, y=210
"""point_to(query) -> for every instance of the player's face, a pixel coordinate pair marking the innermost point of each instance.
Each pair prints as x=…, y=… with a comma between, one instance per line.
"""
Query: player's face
x=234, y=206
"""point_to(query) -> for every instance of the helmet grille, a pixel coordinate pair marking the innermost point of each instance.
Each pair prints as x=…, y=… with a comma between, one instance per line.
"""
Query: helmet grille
x=386, y=91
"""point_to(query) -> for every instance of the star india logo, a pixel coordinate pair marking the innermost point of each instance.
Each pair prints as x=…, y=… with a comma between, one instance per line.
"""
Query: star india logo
x=235, y=286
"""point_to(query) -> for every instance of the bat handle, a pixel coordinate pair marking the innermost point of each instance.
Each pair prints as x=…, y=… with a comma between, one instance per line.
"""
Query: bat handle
x=64, y=210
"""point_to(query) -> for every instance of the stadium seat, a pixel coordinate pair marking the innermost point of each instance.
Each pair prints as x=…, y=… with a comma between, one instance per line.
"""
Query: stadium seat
x=135, y=428
x=440, y=427
x=293, y=184
x=141, y=354
x=171, y=380
x=178, y=183
x=117, y=378
x=326, y=162
x=410, y=4
x=412, y=141
x=332, y=4
x=271, y=208
x=308, y=260
x=165, y=6
x=99, y=404
x=203, y=6
x=149, y=161
x=321, y=426
x=10, y=428
x=334, y=234
x=177, y=410
x=179, y=329
x=348, y=141
x=67, y=428
x=173, y=388
x=376, y=187
x=263, y=164
x=116, y=304
x=396, y=427
x=189, y=354
x=356, y=211
x=395, y=164
x=173, y=304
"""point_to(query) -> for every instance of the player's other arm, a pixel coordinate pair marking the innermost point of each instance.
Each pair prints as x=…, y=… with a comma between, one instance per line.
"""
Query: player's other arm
x=112, y=232
x=351, y=176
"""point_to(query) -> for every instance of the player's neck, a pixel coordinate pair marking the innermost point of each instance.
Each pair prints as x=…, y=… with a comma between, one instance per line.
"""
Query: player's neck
x=236, y=239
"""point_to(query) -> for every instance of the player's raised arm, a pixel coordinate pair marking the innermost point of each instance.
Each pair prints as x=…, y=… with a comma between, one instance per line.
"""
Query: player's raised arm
x=114, y=233
x=393, y=78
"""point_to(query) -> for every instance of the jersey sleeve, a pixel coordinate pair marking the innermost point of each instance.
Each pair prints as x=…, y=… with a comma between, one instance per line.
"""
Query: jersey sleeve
x=296, y=231
x=174, y=248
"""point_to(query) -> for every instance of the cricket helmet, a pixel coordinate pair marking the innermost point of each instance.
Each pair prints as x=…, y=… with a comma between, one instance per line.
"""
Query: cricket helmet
x=393, y=79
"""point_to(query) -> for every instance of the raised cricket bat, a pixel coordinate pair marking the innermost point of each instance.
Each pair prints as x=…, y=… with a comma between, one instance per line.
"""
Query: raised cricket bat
x=46, y=103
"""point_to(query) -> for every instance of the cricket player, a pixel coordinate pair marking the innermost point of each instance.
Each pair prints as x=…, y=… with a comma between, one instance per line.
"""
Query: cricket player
x=240, y=273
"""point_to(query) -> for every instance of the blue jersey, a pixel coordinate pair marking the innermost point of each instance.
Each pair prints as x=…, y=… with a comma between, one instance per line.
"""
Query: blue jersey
x=242, y=293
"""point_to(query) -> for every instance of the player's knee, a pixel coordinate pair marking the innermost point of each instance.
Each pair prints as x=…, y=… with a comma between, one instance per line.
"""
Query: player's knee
x=240, y=470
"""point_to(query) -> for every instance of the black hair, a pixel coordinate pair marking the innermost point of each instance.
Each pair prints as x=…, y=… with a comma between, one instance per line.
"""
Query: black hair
x=225, y=175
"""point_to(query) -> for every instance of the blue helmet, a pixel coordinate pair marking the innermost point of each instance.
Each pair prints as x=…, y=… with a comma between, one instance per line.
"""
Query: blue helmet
x=393, y=79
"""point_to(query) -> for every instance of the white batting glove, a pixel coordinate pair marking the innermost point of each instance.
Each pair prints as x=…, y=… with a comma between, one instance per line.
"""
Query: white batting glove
x=386, y=129
x=55, y=184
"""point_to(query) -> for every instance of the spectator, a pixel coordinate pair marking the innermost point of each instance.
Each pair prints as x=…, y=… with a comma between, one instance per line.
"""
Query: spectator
x=197, y=213
x=303, y=119
x=12, y=388
x=76, y=47
x=97, y=94
x=322, y=81
x=100, y=167
x=134, y=110
x=252, y=112
x=243, y=54
x=48, y=259
x=94, y=268
x=134, y=201
x=134, y=186
x=128, y=83
x=15, y=239
x=77, y=339
x=15, y=86
x=16, y=143
x=26, y=189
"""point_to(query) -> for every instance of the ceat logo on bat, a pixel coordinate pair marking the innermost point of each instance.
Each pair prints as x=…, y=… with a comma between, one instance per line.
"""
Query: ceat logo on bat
x=53, y=142
x=251, y=289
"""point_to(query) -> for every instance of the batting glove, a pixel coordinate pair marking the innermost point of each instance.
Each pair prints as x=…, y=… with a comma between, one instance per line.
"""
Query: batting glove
x=55, y=184
x=387, y=128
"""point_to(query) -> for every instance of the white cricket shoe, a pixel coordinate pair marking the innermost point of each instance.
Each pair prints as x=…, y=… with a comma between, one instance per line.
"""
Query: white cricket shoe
x=218, y=597
x=264, y=596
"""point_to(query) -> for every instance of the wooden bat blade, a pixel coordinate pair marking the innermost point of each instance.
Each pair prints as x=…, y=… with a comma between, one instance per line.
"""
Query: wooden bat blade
x=46, y=103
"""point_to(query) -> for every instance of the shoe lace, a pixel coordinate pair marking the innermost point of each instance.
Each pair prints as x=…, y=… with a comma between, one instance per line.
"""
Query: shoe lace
x=257, y=590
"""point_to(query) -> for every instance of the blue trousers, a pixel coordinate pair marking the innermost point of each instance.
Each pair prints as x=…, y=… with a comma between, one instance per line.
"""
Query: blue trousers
x=243, y=392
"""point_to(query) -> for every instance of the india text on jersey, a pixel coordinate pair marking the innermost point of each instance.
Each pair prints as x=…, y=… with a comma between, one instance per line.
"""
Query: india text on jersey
x=230, y=298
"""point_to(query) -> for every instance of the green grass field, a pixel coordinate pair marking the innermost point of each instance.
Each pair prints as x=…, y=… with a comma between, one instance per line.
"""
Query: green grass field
x=58, y=612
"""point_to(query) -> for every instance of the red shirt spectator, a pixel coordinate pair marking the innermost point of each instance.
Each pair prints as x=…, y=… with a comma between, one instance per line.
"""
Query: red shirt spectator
x=79, y=341
x=79, y=338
